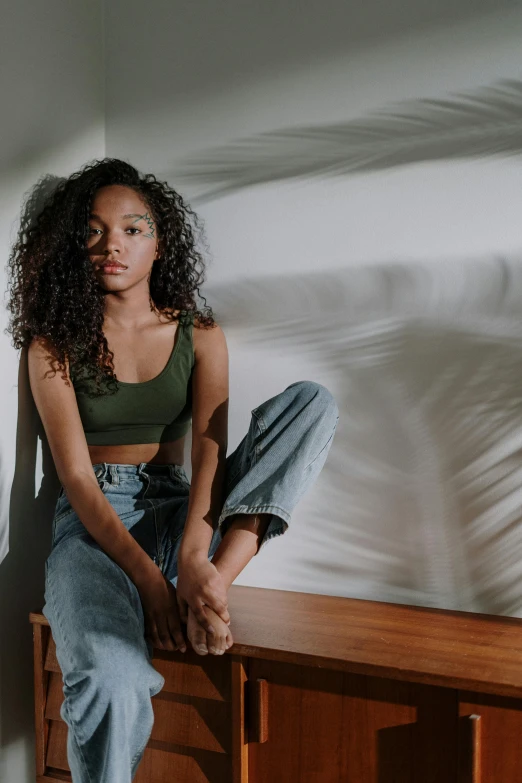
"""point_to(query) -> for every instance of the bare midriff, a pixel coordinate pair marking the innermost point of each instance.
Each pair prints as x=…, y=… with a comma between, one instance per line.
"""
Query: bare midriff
x=171, y=453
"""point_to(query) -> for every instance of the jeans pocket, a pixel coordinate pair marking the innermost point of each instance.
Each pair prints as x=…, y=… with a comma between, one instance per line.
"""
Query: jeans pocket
x=66, y=513
x=103, y=484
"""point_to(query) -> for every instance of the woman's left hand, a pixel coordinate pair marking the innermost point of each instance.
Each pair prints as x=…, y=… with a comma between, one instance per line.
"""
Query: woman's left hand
x=199, y=584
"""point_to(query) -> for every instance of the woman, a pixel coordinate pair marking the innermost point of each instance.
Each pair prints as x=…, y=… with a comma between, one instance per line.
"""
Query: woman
x=121, y=364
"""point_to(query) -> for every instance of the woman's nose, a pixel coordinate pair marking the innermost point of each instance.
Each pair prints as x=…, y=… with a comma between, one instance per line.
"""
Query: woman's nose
x=112, y=242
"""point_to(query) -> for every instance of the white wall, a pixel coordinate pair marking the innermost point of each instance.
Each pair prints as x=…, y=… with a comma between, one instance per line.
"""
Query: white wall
x=384, y=284
x=52, y=88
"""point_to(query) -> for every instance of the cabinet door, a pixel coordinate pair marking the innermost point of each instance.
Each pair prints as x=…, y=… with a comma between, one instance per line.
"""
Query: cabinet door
x=490, y=741
x=324, y=726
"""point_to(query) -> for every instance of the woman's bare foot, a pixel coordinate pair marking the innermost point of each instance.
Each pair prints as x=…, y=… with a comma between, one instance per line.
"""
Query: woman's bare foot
x=203, y=642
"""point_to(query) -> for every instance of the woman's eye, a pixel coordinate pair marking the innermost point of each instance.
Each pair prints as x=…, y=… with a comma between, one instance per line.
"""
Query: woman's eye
x=91, y=230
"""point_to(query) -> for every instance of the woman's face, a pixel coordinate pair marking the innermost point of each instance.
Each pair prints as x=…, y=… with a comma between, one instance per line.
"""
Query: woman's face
x=121, y=230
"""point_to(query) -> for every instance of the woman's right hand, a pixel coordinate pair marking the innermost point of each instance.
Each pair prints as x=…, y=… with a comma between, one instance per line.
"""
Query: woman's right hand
x=200, y=585
x=161, y=613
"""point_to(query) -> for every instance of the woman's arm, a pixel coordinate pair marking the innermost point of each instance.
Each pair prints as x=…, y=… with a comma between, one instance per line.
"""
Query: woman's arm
x=58, y=410
x=199, y=582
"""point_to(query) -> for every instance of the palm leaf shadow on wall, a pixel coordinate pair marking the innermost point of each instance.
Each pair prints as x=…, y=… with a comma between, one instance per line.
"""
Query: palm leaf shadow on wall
x=422, y=490
x=483, y=123
x=423, y=487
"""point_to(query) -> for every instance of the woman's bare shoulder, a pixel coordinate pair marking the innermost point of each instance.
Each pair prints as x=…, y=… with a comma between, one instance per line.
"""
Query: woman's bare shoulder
x=42, y=351
x=208, y=340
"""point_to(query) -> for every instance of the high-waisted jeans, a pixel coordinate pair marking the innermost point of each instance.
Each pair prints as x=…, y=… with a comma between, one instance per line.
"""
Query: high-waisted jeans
x=94, y=609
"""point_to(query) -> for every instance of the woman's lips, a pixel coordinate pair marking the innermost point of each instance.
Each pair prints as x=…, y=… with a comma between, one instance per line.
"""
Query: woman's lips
x=112, y=269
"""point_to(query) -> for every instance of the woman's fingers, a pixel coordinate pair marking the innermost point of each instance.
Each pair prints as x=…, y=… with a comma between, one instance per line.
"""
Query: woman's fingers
x=161, y=615
x=182, y=608
x=220, y=607
x=201, y=641
x=163, y=634
x=152, y=634
x=176, y=632
x=199, y=613
x=173, y=619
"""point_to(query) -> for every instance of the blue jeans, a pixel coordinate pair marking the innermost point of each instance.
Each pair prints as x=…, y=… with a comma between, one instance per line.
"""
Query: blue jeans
x=94, y=609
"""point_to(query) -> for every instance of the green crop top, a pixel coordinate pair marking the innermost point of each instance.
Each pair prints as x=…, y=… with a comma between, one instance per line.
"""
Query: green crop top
x=154, y=411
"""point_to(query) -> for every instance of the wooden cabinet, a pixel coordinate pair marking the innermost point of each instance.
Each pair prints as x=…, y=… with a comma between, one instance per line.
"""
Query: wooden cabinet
x=490, y=738
x=327, y=726
x=319, y=689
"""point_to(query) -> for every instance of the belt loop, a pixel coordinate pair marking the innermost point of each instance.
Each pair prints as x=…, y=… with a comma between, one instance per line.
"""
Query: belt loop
x=115, y=478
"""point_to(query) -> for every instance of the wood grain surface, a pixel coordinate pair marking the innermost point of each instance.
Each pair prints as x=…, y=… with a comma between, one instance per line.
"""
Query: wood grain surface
x=435, y=646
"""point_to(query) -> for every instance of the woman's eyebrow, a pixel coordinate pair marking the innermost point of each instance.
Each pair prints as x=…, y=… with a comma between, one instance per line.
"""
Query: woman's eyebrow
x=131, y=214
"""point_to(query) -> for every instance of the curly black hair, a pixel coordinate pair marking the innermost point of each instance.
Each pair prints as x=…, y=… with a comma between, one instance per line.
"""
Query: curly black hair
x=51, y=279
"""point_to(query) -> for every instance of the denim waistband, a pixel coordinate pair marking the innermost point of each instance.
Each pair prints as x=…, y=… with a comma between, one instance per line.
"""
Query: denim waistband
x=149, y=468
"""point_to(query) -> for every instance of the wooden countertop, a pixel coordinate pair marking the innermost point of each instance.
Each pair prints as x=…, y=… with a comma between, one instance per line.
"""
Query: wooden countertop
x=454, y=649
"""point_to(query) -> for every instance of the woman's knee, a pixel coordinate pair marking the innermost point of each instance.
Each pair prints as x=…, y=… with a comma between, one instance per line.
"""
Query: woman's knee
x=313, y=393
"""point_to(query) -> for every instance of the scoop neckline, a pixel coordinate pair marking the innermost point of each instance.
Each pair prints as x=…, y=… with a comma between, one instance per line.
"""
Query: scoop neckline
x=177, y=338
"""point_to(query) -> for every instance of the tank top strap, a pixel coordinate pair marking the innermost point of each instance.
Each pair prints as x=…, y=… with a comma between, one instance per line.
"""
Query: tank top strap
x=186, y=317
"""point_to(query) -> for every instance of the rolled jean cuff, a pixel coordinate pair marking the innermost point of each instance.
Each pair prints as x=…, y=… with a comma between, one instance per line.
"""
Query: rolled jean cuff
x=276, y=527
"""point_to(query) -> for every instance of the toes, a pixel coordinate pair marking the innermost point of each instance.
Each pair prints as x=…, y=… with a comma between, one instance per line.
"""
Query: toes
x=216, y=643
x=197, y=637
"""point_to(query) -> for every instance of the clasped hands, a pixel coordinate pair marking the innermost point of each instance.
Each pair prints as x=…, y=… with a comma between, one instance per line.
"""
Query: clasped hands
x=199, y=601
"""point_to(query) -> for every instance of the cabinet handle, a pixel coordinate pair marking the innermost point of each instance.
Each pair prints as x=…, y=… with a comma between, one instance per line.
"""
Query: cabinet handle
x=473, y=773
x=258, y=723
x=476, y=770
